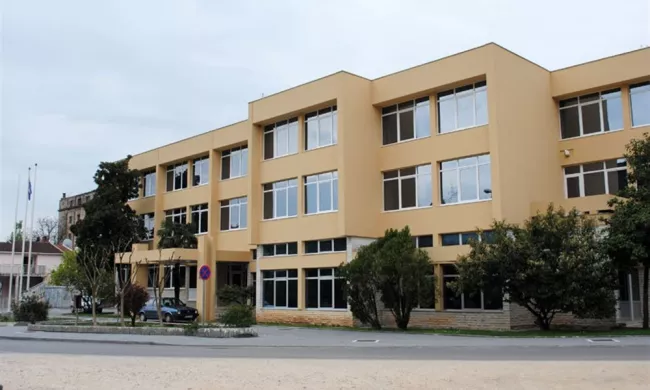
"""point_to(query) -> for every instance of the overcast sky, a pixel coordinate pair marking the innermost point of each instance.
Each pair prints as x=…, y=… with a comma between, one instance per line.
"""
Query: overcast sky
x=90, y=81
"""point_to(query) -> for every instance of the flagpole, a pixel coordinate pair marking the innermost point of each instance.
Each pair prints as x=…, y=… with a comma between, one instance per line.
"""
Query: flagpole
x=31, y=232
x=13, y=247
x=22, y=257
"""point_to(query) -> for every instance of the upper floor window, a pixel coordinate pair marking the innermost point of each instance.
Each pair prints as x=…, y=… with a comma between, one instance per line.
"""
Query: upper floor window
x=280, y=288
x=281, y=139
x=603, y=177
x=234, y=163
x=321, y=193
x=281, y=199
x=282, y=249
x=451, y=239
x=148, y=220
x=487, y=299
x=465, y=180
x=640, y=103
x=407, y=188
x=405, y=121
x=200, y=170
x=177, y=177
x=324, y=289
x=200, y=218
x=591, y=114
x=462, y=107
x=234, y=213
x=149, y=183
x=320, y=128
x=425, y=241
x=326, y=246
x=178, y=215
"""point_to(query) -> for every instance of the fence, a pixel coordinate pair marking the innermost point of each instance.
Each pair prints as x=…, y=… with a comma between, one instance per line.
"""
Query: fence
x=37, y=270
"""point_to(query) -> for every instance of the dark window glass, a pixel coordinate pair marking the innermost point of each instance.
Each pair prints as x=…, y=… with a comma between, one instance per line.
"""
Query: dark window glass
x=391, y=195
x=326, y=245
x=254, y=254
x=617, y=181
x=492, y=299
x=293, y=273
x=312, y=293
x=594, y=183
x=268, y=205
x=425, y=241
x=406, y=128
x=280, y=293
x=466, y=237
x=590, y=119
x=572, y=170
x=293, y=293
x=268, y=145
x=281, y=249
x=340, y=244
x=326, y=298
x=268, y=250
x=592, y=166
x=193, y=272
x=204, y=222
x=311, y=272
x=451, y=300
x=225, y=167
x=281, y=274
x=311, y=246
x=225, y=216
x=293, y=248
x=268, y=293
x=408, y=193
x=389, y=127
x=170, y=180
x=472, y=300
x=340, y=300
x=570, y=122
x=573, y=187
x=488, y=236
x=427, y=293
x=450, y=239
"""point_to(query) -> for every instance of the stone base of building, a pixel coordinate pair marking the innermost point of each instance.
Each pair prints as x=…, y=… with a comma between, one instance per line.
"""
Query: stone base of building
x=305, y=317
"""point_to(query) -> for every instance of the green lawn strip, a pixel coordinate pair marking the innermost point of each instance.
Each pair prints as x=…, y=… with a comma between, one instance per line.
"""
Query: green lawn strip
x=102, y=315
x=487, y=333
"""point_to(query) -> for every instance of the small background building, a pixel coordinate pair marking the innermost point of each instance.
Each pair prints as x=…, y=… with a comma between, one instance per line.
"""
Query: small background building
x=70, y=212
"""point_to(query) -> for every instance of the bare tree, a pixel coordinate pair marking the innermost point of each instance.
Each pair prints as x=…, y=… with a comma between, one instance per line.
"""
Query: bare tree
x=125, y=278
x=48, y=227
x=96, y=268
x=158, y=278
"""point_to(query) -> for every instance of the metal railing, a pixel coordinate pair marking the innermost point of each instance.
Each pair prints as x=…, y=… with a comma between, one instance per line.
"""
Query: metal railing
x=37, y=270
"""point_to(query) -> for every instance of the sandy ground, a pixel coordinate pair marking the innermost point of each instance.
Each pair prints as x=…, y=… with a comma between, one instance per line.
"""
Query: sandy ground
x=32, y=371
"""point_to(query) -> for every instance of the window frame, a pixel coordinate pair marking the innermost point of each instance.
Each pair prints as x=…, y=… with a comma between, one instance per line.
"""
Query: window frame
x=275, y=280
x=453, y=94
x=332, y=180
x=318, y=246
x=290, y=183
x=416, y=240
x=172, y=169
x=642, y=88
x=333, y=277
x=458, y=169
x=399, y=179
x=581, y=176
x=316, y=117
x=200, y=209
x=445, y=278
x=292, y=125
x=204, y=163
x=242, y=154
x=180, y=212
x=275, y=249
x=416, y=103
x=242, y=200
x=149, y=235
x=579, y=106
x=148, y=183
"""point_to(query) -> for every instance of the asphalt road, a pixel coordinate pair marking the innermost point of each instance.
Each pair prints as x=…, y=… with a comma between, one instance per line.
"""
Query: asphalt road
x=588, y=352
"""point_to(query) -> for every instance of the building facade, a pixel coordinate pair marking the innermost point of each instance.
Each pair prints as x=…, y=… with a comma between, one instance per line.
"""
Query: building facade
x=71, y=211
x=284, y=197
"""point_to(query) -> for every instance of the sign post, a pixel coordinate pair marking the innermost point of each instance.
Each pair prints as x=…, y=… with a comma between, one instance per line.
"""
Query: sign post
x=204, y=274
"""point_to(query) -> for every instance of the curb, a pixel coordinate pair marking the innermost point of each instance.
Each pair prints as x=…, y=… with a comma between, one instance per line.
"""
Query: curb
x=127, y=342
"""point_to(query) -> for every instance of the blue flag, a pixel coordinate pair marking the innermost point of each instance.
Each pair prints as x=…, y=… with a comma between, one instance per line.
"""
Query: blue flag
x=29, y=189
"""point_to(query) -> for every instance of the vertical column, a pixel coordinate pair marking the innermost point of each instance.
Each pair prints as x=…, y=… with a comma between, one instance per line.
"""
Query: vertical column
x=627, y=110
x=190, y=174
x=205, y=291
x=254, y=184
x=439, y=287
x=301, y=288
x=159, y=208
x=213, y=204
x=258, y=276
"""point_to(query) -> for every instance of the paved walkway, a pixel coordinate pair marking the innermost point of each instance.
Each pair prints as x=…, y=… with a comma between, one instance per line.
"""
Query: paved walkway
x=275, y=336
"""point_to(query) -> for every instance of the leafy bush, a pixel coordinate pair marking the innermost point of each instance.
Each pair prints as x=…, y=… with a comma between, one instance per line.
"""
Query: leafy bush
x=238, y=295
x=191, y=329
x=135, y=296
x=6, y=317
x=238, y=316
x=30, y=309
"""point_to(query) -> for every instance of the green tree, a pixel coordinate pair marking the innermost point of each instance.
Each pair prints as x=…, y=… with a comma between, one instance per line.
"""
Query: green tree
x=132, y=299
x=627, y=241
x=552, y=264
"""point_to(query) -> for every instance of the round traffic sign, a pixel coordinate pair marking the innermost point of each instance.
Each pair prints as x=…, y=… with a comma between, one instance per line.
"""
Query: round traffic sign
x=205, y=272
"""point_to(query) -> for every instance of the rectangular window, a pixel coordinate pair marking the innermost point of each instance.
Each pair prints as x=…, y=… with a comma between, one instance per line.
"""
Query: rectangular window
x=280, y=289
x=451, y=239
x=200, y=170
x=281, y=139
x=465, y=180
x=462, y=108
x=149, y=224
x=320, y=128
x=603, y=177
x=405, y=121
x=640, y=103
x=234, y=163
x=321, y=193
x=407, y=188
x=178, y=215
x=149, y=183
x=281, y=199
x=177, y=177
x=324, y=289
x=425, y=241
x=200, y=218
x=427, y=292
x=488, y=299
x=154, y=274
x=326, y=246
x=590, y=114
x=281, y=249
x=234, y=213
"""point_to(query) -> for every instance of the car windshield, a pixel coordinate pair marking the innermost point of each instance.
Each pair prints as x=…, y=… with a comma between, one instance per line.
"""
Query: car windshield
x=172, y=302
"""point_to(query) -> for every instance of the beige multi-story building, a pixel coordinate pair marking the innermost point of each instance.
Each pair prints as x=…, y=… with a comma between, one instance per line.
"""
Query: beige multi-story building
x=71, y=211
x=281, y=199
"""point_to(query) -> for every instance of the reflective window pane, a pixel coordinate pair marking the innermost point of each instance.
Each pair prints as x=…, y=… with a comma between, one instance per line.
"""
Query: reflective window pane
x=465, y=104
x=310, y=198
x=481, y=107
x=640, y=104
x=389, y=129
x=422, y=120
x=570, y=122
x=325, y=131
x=450, y=239
x=468, y=184
x=391, y=195
x=408, y=193
x=325, y=196
x=312, y=134
x=281, y=203
x=573, y=187
x=594, y=183
x=293, y=202
x=590, y=118
x=406, y=126
x=449, y=187
x=425, y=197
x=446, y=115
x=616, y=181
x=485, y=182
x=613, y=112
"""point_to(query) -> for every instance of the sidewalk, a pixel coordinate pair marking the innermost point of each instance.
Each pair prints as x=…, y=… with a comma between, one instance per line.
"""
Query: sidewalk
x=274, y=336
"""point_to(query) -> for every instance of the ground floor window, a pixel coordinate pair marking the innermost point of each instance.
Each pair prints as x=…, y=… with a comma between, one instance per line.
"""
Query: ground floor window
x=427, y=293
x=487, y=299
x=325, y=289
x=169, y=279
x=280, y=288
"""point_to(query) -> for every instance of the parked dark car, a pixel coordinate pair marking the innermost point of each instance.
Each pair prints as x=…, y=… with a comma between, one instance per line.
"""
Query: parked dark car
x=173, y=310
x=84, y=304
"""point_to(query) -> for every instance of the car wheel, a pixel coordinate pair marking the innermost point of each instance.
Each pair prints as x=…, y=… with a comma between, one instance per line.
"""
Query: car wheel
x=143, y=317
x=168, y=318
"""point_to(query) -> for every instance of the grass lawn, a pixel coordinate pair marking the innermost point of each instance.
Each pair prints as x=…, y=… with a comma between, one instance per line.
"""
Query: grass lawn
x=102, y=315
x=492, y=333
